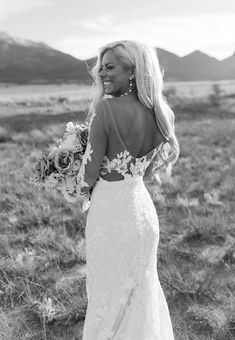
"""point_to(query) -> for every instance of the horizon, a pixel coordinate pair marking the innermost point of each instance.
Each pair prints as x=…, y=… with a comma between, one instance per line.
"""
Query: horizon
x=84, y=59
x=80, y=29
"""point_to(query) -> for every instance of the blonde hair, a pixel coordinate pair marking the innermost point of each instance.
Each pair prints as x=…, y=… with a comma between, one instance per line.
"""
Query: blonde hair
x=144, y=63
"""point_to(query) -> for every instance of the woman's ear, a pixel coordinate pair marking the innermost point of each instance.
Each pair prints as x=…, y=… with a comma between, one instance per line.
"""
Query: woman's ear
x=131, y=72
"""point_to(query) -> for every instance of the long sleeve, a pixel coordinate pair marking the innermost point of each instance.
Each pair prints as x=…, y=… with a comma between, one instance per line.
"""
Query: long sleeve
x=95, y=150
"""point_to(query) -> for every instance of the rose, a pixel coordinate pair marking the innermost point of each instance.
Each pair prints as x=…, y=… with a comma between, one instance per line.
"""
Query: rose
x=77, y=165
x=68, y=188
x=42, y=167
x=64, y=160
x=52, y=154
x=68, y=141
x=53, y=180
x=70, y=128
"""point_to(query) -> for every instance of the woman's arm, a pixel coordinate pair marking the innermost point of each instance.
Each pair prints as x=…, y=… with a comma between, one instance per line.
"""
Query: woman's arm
x=95, y=150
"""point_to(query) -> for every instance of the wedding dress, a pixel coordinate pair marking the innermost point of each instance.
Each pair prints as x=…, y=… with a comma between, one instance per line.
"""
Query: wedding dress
x=125, y=298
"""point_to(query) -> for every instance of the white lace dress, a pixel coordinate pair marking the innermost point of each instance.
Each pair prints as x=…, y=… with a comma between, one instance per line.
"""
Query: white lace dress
x=125, y=298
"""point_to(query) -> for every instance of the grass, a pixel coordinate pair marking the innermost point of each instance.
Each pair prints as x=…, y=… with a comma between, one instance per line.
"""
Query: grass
x=42, y=244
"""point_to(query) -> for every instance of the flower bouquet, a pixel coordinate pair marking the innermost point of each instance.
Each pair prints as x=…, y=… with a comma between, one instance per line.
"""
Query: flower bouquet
x=58, y=168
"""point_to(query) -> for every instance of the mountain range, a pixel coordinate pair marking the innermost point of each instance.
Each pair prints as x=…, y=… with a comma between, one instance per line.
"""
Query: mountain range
x=24, y=61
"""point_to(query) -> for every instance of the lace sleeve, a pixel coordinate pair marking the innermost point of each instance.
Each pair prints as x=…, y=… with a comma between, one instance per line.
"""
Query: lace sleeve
x=95, y=150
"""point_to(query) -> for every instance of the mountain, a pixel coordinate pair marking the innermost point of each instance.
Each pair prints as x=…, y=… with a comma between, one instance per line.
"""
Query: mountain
x=169, y=63
x=25, y=61
x=195, y=66
x=199, y=66
x=228, y=66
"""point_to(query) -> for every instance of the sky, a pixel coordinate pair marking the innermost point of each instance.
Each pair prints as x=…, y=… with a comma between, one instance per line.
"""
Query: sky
x=81, y=27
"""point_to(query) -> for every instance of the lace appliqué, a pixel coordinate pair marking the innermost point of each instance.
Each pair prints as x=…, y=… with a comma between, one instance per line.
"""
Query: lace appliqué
x=81, y=174
x=138, y=169
x=125, y=164
x=120, y=163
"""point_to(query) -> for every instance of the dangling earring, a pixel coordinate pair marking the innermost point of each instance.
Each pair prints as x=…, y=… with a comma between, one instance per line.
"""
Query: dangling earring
x=131, y=83
x=130, y=87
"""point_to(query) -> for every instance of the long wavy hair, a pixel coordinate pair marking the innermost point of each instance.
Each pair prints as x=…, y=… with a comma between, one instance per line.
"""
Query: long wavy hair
x=143, y=61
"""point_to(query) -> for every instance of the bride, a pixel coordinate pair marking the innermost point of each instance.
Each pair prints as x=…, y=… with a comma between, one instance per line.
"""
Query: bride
x=131, y=134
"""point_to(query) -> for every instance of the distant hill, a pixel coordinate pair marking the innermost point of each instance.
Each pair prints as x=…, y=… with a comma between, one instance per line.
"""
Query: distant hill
x=195, y=66
x=25, y=61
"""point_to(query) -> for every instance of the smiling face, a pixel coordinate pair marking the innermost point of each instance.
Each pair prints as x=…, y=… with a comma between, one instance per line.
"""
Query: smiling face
x=114, y=75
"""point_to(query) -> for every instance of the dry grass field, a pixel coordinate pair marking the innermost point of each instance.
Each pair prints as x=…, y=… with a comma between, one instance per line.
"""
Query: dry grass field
x=42, y=99
x=42, y=237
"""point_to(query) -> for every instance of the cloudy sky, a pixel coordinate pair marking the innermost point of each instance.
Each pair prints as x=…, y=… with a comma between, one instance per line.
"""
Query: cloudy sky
x=80, y=27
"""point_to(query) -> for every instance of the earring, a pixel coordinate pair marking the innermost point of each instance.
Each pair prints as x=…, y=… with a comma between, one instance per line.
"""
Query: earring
x=131, y=78
x=130, y=87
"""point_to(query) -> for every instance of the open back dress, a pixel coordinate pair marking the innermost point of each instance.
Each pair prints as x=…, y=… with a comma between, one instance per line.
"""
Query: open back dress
x=125, y=298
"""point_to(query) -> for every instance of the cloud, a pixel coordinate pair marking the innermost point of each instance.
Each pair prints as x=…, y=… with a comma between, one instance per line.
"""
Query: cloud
x=101, y=23
x=10, y=8
x=180, y=35
x=82, y=48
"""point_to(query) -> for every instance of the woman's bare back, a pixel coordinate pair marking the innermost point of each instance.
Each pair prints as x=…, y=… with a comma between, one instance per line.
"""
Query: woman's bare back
x=136, y=125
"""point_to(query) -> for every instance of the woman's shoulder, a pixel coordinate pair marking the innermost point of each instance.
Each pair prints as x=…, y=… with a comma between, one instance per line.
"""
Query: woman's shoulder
x=124, y=107
x=105, y=104
x=123, y=104
x=102, y=108
x=122, y=100
x=113, y=104
x=109, y=102
x=100, y=104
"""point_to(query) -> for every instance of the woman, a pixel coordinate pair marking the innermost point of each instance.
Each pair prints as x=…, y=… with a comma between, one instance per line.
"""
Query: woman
x=131, y=130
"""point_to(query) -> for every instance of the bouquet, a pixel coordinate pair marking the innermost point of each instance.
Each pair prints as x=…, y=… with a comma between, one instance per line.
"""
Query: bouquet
x=58, y=168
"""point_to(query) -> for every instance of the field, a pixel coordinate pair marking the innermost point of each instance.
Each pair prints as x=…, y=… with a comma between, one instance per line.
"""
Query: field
x=42, y=237
x=201, y=89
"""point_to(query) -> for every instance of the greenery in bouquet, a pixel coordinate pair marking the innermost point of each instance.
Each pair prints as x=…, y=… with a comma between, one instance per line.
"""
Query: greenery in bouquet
x=58, y=168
